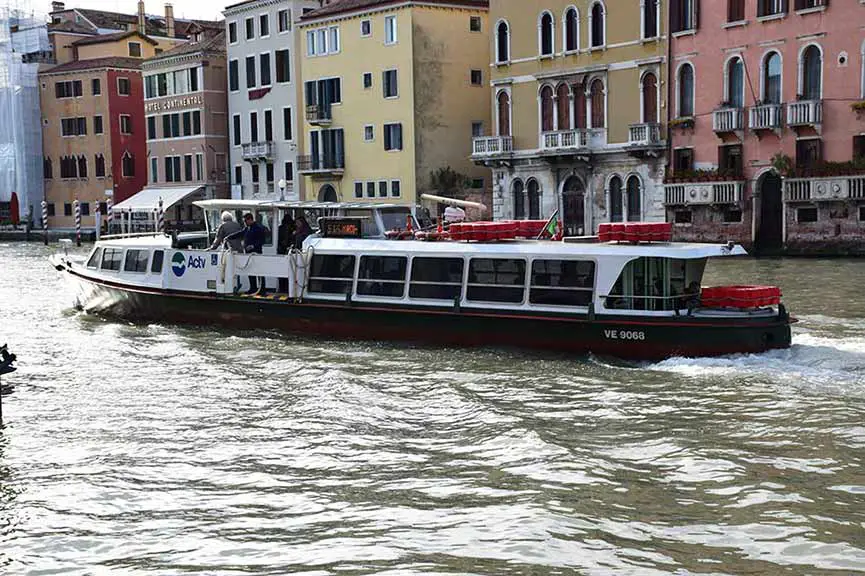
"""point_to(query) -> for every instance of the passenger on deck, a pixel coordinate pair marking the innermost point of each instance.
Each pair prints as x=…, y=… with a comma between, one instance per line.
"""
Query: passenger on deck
x=253, y=243
x=692, y=294
x=302, y=232
x=228, y=230
x=285, y=243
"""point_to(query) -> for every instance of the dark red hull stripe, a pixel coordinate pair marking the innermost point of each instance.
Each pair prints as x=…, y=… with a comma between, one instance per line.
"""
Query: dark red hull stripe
x=623, y=337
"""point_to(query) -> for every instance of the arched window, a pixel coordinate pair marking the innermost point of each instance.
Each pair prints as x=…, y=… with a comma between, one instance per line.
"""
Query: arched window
x=503, y=42
x=772, y=78
x=812, y=72
x=736, y=82
x=47, y=169
x=598, y=29
x=579, y=105
x=616, y=210
x=82, y=167
x=519, y=200
x=563, y=107
x=546, y=39
x=686, y=90
x=534, y=194
x=597, y=97
x=650, y=98
x=127, y=165
x=547, y=109
x=634, y=202
x=504, y=106
x=572, y=30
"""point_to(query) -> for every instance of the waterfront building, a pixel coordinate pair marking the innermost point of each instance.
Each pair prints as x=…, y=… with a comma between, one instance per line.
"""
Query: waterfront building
x=70, y=28
x=767, y=121
x=263, y=90
x=393, y=92
x=92, y=135
x=23, y=43
x=185, y=121
x=578, y=91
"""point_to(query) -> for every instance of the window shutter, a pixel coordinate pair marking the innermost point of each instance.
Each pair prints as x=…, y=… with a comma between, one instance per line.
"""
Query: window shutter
x=676, y=15
x=387, y=137
x=697, y=14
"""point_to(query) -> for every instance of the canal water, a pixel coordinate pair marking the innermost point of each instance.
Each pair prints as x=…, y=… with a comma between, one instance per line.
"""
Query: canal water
x=158, y=449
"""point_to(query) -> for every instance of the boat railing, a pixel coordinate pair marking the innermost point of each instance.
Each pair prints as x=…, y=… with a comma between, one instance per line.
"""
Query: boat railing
x=130, y=235
x=651, y=303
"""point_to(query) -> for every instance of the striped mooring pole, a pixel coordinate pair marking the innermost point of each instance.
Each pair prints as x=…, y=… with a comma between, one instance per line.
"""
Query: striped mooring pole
x=77, y=206
x=160, y=218
x=45, y=222
x=110, y=213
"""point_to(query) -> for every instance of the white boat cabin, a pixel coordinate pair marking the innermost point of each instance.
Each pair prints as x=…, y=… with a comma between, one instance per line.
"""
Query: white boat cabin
x=356, y=264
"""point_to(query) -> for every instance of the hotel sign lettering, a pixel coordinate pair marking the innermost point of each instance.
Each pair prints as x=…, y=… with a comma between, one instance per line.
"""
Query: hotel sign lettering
x=173, y=104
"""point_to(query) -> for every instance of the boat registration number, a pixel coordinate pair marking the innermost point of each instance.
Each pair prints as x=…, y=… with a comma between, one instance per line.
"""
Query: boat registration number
x=624, y=335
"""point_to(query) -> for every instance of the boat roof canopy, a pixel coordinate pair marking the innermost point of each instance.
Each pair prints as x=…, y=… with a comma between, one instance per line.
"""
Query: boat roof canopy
x=529, y=248
x=284, y=204
x=147, y=200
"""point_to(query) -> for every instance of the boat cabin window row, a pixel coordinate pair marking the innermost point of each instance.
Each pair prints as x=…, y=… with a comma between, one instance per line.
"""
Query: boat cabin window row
x=552, y=282
x=134, y=260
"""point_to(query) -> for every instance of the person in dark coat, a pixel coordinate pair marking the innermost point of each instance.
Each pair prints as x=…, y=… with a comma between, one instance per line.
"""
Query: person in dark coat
x=253, y=243
x=284, y=244
x=302, y=232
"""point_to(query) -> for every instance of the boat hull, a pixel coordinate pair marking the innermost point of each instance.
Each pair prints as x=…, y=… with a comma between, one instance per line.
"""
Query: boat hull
x=623, y=337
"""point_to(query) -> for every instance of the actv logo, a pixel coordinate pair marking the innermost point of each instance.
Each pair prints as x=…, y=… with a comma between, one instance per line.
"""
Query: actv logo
x=178, y=264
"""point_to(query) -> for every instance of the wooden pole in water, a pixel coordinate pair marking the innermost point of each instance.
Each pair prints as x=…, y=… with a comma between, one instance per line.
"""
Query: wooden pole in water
x=45, y=222
x=77, y=222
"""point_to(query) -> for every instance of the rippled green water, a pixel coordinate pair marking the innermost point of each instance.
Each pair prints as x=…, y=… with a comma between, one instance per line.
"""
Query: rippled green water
x=168, y=450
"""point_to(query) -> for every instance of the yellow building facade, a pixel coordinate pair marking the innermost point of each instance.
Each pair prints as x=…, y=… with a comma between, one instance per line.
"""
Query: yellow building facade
x=392, y=91
x=578, y=92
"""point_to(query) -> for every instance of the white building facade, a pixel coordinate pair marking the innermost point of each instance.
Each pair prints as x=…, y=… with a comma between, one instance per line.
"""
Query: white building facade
x=263, y=98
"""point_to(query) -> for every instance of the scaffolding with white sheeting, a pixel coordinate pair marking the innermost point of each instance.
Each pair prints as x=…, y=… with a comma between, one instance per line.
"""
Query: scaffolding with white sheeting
x=23, y=44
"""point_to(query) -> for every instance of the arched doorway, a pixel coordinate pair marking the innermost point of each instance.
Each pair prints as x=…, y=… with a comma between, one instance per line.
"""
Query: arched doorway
x=573, y=207
x=327, y=193
x=534, y=194
x=519, y=200
x=770, y=231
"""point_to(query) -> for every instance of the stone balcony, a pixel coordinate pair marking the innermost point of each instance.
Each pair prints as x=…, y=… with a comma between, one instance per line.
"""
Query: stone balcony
x=491, y=146
x=765, y=117
x=564, y=140
x=645, y=134
x=728, y=120
x=258, y=151
x=805, y=113
x=825, y=189
x=319, y=115
x=703, y=193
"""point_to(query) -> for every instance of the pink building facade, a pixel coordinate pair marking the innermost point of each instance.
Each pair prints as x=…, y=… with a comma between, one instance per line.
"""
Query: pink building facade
x=767, y=124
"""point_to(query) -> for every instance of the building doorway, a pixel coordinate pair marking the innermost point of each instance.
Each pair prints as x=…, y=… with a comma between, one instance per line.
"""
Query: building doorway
x=574, y=207
x=770, y=229
x=327, y=193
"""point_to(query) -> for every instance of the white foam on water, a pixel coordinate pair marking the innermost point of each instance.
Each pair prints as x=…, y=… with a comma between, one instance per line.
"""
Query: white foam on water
x=817, y=363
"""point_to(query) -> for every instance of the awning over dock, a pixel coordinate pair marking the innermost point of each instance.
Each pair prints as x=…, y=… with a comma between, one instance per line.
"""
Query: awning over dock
x=148, y=199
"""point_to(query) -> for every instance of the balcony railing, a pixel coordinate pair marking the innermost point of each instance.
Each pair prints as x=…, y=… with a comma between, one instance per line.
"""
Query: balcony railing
x=321, y=165
x=258, y=151
x=564, y=140
x=824, y=189
x=492, y=145
x=646, y=134
x=805, y=113
x=319, y=115
x=697, y=193
x=765, y=117
x=728, y=120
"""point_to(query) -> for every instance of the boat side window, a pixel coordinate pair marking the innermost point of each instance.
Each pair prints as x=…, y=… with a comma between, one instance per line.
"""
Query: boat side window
x=436, y=278
x=136, y=261
x=382, y=276
x=156, y=263
x=656, y=284
x=496, y=280
x=93, y=262
x=562, y=282
x=112, y=258
x=331, y=274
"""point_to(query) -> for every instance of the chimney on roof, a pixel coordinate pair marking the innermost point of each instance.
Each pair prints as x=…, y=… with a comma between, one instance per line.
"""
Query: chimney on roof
x=57, y=6
x=142, y=21
x=169, y=21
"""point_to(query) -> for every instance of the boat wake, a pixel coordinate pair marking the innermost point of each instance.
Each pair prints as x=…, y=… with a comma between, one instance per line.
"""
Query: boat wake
x=818, y=363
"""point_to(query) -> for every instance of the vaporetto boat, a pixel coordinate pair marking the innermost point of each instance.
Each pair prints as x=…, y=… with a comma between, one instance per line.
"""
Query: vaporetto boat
x=624, y=296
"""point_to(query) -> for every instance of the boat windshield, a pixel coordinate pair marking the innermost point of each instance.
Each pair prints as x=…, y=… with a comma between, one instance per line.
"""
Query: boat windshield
x=657, y=284
x=395, y=218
